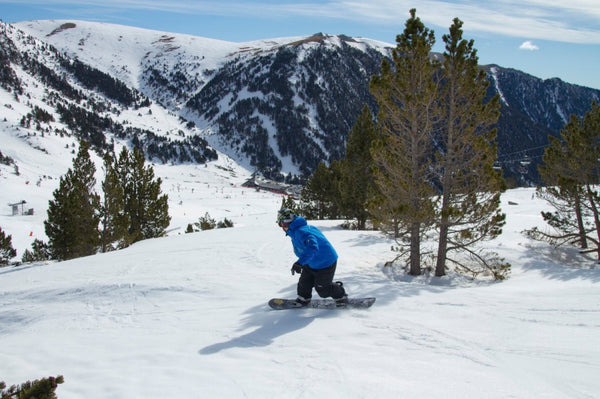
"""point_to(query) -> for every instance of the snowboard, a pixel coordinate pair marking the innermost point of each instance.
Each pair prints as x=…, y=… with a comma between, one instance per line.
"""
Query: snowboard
x=321, y=303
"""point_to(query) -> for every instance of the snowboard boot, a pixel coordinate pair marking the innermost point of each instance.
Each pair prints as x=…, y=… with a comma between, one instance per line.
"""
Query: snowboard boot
x=343, y=300
x=302, y=302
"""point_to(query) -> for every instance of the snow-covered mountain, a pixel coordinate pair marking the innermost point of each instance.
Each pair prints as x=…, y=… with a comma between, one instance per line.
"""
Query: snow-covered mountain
x=48, y=102
x=73, y=98
x=138, y=56
x=278, y=105
x=283, y=105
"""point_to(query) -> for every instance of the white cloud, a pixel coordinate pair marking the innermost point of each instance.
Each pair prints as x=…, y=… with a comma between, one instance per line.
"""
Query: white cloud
x=575, y=21
x=529, y=46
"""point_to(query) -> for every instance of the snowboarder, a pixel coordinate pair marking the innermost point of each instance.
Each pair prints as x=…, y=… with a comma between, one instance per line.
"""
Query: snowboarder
x=316, y=262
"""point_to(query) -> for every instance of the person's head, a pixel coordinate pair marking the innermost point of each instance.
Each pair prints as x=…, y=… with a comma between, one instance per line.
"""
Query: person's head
x=284, y=217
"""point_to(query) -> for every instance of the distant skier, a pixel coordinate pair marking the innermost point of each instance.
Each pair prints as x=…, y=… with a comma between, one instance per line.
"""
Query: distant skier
x=316, y=262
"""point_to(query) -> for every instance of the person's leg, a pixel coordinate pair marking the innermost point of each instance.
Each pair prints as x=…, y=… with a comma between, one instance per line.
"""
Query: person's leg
x=324, y=284
x=306, y=282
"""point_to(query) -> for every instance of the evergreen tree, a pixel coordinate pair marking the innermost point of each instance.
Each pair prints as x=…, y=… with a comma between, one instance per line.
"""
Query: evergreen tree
x=38, y=389
x=72, y=225
x=288, y=203
x=320, y=193
x=115, y=221
x=470, y=188
x=147, y=209
x=207, y=222
x=563, y=190
x=40, y=251
x=572, y=171
x=224, y=224
x=406, y=93
x=356, y=169
x=7, y=252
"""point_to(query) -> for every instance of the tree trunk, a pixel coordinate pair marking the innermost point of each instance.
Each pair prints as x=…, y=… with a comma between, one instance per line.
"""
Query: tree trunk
x=415, y=249
x=440, y=267
x=580, y=226
x=594, y=208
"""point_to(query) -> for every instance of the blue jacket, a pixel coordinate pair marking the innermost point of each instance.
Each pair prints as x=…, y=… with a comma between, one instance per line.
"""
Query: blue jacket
x=310, y=245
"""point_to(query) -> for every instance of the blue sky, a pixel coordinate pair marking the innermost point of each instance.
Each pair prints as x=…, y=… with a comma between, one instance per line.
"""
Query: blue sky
x=545, y=38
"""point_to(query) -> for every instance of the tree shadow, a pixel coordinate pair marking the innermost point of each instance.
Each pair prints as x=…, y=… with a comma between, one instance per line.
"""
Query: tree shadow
x=13, y=269
x=561, y=263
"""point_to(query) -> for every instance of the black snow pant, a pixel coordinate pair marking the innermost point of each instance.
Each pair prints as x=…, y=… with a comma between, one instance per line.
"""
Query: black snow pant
x=321, y=280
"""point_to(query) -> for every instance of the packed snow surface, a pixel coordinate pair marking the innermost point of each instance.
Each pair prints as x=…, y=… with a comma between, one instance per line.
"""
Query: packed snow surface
x=186, y=316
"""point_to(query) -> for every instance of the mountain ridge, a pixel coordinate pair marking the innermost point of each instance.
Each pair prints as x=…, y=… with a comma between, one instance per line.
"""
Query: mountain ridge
x=280, y=106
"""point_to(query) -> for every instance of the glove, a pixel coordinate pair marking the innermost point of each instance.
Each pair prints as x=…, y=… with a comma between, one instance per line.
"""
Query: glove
x=296, y=268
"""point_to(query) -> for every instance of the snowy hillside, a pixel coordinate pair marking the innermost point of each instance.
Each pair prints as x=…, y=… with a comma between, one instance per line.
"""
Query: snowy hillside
x=186, y=317
x=42, y=152
x=282, y=105
x=125, y=52
x=193, y=190
x=272, y=105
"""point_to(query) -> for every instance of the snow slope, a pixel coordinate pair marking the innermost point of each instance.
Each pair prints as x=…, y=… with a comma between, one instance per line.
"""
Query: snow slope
x=124, y=51
x=185, y=316
x=40, y=159
x=193, y=190
x=119, y=50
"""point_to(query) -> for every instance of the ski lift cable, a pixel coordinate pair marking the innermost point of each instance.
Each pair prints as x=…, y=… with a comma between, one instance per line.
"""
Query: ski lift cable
x=521, y=160
x=520, y=156
x=524, y=151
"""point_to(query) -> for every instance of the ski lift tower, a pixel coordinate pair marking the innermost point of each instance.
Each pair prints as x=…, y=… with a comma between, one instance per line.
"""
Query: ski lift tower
x=15, y=207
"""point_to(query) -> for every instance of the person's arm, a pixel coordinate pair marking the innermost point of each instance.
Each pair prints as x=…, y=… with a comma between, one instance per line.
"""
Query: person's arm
x=311, y=247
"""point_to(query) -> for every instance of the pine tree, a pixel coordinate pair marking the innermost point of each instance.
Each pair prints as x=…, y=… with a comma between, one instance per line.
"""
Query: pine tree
x=38, y=389
x=7, y=252
x=40, y=251
x=115, y=221
x=470, y=187
x=146, y=208
x=588, y=157
x=320, y=193
x=572, y=171
x=206, y=222
x=406, y=94
x=289, y=203
x=563, y=190
x=356, y=169
x=72, y=224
